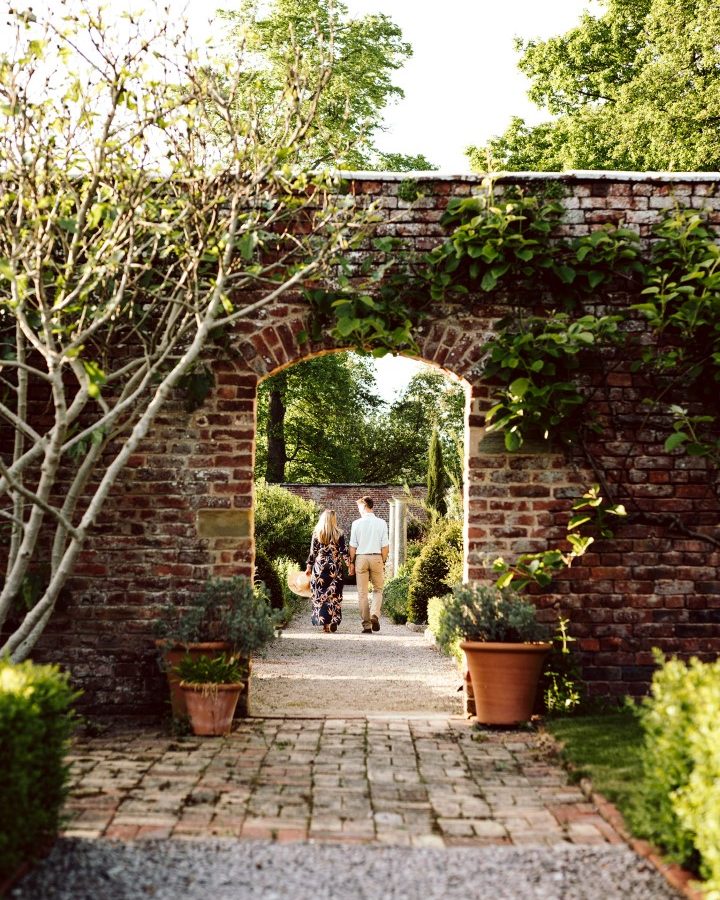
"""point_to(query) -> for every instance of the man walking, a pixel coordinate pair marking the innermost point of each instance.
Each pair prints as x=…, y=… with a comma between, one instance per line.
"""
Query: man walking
x=369, y=547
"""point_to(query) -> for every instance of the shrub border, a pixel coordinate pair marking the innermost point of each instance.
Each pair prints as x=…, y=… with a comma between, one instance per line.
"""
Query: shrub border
x=675, y=875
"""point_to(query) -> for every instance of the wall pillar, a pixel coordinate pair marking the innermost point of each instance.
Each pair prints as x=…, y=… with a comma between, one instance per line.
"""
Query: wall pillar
x=398, y=534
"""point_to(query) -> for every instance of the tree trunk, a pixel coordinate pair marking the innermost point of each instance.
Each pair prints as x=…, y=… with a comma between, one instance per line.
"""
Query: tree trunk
x=277, y=448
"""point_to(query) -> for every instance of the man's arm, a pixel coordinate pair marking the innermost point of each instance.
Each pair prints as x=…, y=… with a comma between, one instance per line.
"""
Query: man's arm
x=385, y=549
x=353, y=544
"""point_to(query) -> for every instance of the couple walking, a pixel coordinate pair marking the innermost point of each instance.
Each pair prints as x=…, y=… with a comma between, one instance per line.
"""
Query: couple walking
x=365, y=557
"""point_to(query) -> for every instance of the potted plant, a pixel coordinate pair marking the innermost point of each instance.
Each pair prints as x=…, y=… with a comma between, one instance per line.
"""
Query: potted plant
x=211, y=686
x=229, y=616
x=503, y=646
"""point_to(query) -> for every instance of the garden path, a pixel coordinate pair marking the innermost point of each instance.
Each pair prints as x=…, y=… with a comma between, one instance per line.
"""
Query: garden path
x=307, y=673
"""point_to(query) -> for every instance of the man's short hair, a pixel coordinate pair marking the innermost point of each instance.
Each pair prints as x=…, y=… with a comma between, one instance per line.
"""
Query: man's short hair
x=368, y=501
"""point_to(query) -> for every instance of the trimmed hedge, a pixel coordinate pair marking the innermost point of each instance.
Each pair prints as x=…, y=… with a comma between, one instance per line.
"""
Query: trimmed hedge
x=395, y=597
x=36, y=721
x=429, y=577
x=449, y=644
x=284, y=523
x=265, y=572
x=680, y=804
x=292, y=602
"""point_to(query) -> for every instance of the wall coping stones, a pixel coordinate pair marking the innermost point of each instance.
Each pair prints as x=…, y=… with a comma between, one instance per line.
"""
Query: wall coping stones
x=570, y=175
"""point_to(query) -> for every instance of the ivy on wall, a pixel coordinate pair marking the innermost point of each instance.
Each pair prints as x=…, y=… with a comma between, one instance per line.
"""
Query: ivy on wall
x=559, y=325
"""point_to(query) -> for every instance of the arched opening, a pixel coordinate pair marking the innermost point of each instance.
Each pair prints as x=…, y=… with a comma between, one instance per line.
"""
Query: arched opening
x=330, y=427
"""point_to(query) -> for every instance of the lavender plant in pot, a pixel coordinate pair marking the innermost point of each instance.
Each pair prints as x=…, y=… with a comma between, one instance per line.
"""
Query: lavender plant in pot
x=230, y=616
x=504, y=648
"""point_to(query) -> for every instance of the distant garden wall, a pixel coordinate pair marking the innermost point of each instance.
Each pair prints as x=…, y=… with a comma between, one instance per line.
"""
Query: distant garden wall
x=183, y=509
x=342, y=497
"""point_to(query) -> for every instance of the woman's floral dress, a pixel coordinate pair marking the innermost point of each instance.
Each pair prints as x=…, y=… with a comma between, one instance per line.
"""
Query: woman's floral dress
x=326, y=580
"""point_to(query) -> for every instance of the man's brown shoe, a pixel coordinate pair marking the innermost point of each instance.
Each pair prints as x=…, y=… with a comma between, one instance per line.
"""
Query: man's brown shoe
x=375, y=623
x=366, y=631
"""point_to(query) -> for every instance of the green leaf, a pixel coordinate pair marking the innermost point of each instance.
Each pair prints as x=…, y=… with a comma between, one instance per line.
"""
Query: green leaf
x=488, y=281
x=594, y=278
x=519, y=387
x=675, y=440
x=513, y=441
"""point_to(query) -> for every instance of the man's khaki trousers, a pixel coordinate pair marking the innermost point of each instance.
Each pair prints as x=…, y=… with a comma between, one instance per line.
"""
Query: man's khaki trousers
x=369, y=568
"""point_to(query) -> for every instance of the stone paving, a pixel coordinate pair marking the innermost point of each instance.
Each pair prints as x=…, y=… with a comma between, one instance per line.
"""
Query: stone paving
x=413, y=781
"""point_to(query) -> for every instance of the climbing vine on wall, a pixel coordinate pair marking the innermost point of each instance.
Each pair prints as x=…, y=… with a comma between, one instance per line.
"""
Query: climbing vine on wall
x=559, y=325
x=509, y=247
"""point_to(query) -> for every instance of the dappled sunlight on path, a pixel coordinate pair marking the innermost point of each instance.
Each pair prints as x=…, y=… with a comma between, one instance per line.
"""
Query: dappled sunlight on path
x=309, y=673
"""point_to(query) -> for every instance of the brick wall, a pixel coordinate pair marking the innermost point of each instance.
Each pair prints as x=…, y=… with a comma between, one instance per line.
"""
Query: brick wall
x=342, y=497
x=183, y=508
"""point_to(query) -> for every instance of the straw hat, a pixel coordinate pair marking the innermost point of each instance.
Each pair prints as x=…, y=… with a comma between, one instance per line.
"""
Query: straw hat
x=299, y=583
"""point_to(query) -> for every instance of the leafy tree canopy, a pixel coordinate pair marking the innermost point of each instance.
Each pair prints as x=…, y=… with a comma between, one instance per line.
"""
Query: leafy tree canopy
x=337, y=429
x=636, y=88
x=366, y=52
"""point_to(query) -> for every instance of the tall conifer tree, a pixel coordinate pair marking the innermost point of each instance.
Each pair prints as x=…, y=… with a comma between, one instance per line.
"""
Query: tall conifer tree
x=436, y=478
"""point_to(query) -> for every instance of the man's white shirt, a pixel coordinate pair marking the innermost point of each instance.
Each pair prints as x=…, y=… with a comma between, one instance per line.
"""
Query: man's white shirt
x=368, y=534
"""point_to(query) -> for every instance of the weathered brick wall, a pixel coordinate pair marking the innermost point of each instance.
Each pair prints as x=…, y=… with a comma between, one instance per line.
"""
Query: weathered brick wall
x=183, y=508
x=342, y=497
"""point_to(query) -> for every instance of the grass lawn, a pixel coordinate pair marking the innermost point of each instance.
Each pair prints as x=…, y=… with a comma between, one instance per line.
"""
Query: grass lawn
x=606, y=748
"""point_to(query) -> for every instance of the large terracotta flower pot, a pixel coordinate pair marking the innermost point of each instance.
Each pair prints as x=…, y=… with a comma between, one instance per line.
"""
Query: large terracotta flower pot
x=211, y=707
x=172, y=654
x=504, y=679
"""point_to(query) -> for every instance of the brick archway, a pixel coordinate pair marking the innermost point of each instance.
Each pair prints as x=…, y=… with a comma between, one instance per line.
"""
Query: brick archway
x=183, y=508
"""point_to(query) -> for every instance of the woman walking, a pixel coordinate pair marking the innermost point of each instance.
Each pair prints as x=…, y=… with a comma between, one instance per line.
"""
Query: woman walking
x=324, y=566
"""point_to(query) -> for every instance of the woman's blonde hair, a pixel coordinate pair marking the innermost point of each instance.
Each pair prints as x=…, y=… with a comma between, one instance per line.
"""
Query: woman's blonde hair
x=326, y=530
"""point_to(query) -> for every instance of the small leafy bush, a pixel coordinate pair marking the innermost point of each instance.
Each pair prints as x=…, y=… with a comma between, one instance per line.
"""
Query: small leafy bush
x=36, y=721
x=283, y=522
x=266, y=575
x=222, y=669
x=230, y=609
x=484, y=613
x=430, y=572
x=680, y=804
x=562, y=686
x=292, y=603
x=436, y=624
x=395, y=597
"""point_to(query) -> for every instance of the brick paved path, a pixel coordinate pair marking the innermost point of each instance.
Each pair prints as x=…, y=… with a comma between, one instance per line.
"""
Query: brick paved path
x=393, y=780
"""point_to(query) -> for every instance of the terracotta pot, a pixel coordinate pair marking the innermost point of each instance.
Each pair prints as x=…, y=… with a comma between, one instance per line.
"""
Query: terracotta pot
x=172, y=654
x=211, y=707
x=504, y=679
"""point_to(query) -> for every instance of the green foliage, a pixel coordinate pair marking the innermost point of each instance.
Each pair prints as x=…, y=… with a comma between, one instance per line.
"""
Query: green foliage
x=447, y=640
x=284, y=522
x=266, y=575
x=395, y=597
x=561, y=684
x=430, y=570
x=291, y=37
x=292, y=603
x=484, y=613
x=538, y=368
x=540, y=568
x=36, y=722
x=206, y=670
x=196, y=386
x=680, y=808
x=632, y=87
x=232, y=609
x=436, y=481
x=325, y=400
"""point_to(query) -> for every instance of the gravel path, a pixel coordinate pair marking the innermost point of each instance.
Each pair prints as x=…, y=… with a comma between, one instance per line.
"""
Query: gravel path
x=230, y=870
x=309, y=673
